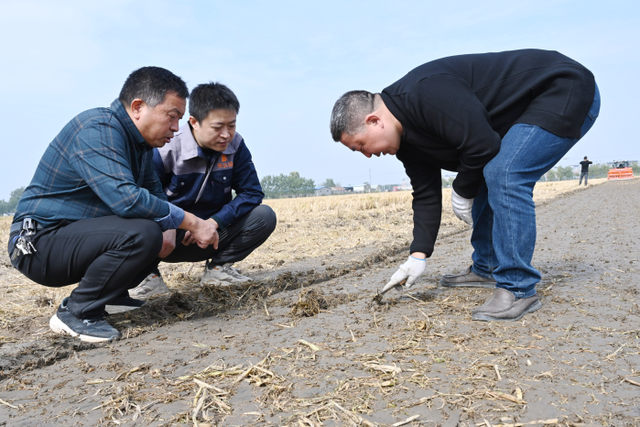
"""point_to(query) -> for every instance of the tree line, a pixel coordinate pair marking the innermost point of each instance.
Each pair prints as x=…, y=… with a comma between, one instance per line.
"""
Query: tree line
x=10, y=206
x=294, y=185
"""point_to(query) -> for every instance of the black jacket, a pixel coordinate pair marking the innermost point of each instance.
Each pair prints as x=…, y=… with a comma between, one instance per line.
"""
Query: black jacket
x=454, y=112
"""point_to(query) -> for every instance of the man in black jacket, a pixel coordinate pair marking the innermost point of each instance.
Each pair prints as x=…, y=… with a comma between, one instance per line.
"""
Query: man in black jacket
x=584, y=170
x=501, y=120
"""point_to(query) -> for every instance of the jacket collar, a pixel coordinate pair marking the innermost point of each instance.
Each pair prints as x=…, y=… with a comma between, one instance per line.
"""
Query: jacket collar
x=191, y=149
x=130, y=127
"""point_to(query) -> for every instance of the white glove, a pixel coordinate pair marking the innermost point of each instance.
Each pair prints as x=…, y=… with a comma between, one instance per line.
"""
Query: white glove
x=462, y=207
x=410, y=270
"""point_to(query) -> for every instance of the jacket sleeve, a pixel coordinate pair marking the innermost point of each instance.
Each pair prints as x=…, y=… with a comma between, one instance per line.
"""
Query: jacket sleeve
x=447, y=106
x=427, y=203
x=247, y=187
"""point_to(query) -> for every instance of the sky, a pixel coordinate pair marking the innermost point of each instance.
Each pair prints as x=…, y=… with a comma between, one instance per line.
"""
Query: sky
x=288, y=62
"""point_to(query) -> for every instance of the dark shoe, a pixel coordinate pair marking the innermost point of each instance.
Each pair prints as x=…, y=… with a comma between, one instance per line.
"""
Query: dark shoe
x=503, y=305
x=90, y=330
x=467, y=279
x=122, y=304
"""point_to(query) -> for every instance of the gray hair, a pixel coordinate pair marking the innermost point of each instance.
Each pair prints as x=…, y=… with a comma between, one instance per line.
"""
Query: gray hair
x=349, y=112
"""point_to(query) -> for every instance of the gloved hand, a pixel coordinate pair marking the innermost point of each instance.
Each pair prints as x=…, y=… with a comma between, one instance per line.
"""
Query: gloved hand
x=410, y=270
x=462, y=207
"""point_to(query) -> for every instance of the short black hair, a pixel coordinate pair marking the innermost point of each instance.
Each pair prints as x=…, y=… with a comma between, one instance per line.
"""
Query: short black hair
x=211, y=96
x=151, y=84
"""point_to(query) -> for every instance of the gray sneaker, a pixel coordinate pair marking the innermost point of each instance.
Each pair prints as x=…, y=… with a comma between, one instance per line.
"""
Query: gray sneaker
x=151, y=285
x=222, y=275
x=89, y=330
x=122, y=304
x=503, y=305
x=466, y=279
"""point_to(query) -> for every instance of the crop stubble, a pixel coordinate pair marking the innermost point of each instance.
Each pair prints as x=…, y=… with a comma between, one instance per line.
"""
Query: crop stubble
x=423, y=367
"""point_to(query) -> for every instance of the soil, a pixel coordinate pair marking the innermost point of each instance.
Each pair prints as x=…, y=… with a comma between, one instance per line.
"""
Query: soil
x=305, y=346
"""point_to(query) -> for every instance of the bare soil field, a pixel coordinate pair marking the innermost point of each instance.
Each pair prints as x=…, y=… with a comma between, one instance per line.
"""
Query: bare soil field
x=303, y=345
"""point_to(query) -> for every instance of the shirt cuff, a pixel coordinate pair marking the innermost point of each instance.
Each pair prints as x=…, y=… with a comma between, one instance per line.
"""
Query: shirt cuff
x=221, y=224
x=173, y=220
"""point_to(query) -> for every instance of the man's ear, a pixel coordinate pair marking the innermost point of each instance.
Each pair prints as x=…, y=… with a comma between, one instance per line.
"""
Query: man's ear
x=193, y=121
x=136, y=107
x=373, y=119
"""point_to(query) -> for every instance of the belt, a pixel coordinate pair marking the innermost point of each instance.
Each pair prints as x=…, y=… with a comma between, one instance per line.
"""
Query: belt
x=17, y=226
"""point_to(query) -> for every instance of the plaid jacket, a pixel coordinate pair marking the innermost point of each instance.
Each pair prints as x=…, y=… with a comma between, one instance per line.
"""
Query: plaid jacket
x=98, y=165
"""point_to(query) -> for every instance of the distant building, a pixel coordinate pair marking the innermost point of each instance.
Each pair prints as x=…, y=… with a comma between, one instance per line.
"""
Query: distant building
x=387, y=187
x=365, y=188
x=337, y=190
x=322, y=191
x=405, y=185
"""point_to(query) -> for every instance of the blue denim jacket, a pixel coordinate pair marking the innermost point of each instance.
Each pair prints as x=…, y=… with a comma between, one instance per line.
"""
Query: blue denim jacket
x=203, y=188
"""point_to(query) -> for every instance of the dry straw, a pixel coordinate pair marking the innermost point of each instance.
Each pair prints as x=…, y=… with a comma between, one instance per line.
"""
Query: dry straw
x=308, y=228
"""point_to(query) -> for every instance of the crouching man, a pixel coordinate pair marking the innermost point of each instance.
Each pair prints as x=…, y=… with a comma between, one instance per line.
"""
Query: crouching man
x=199, y=169
x=94, y=213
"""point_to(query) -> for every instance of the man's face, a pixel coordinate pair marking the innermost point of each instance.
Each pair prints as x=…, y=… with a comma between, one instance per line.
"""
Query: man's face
x=373, y=141
x=216, y=131
x=157, y=125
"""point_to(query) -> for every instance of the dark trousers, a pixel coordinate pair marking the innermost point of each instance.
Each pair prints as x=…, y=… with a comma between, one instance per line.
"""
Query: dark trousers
x=236, y=242
x=100, y=254
x=584, y=175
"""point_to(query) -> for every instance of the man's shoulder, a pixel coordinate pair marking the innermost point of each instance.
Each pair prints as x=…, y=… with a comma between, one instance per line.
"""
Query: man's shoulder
x=95, y=116
x=235, y=144
x=181, y=145
x=90, y=125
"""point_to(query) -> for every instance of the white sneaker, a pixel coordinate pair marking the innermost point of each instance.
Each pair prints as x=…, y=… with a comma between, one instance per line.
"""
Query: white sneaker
x=151, y=285
x=222, y=275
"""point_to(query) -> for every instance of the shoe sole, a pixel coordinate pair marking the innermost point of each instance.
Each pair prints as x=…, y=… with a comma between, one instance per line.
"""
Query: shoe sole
x=59, y=327
x=486, y=318
x=468, y=284
x=223, y=283
x=216, y=282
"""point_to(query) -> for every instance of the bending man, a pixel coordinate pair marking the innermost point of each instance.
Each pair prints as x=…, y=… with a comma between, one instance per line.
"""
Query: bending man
x=501, y=120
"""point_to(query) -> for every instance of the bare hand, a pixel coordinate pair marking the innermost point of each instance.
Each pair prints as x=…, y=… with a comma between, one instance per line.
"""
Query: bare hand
x=188, y=239
x=205, y=233
x=168, y=243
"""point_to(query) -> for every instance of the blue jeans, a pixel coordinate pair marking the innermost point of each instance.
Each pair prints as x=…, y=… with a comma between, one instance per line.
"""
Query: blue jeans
x=504, y=217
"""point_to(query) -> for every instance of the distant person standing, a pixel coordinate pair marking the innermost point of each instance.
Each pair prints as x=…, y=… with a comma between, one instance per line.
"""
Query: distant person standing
x=584, y=173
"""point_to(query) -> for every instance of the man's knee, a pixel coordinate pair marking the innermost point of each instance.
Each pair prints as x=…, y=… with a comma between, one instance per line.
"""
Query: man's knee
x=265, y=218
x=495, y=175
x=147, y=234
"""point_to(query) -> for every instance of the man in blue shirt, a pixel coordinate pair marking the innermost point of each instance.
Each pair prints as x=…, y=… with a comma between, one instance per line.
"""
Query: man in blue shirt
x=198, y=170
x=95, y=213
